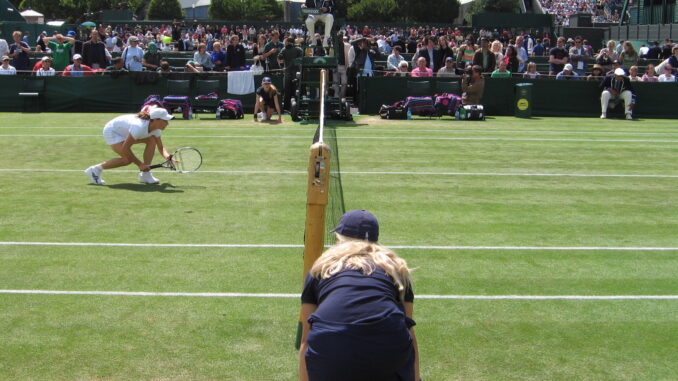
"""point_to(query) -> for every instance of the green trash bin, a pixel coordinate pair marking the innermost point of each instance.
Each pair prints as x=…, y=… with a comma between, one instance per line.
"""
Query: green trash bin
x=523, y=101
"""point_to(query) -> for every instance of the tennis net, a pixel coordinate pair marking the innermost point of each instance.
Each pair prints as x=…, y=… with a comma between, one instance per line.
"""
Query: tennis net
x=335, y=203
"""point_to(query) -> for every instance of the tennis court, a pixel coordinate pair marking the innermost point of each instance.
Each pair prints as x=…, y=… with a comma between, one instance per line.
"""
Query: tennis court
x=543, y=248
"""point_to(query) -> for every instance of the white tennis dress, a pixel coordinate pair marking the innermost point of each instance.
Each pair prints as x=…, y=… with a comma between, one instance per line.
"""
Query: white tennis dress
x=116, y=130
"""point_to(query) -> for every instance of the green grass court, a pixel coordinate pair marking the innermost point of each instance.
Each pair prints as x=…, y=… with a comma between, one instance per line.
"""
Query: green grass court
x=506, y=207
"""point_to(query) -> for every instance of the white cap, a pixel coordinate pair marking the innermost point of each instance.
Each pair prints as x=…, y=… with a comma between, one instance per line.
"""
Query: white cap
x=568, y=67
x=160, y=113
x=77, y=57
x=619, y=71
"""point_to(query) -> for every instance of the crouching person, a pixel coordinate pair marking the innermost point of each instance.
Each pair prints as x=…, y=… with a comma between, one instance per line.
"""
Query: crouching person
x=267, y=101
x=616, y=88
x=356, y=310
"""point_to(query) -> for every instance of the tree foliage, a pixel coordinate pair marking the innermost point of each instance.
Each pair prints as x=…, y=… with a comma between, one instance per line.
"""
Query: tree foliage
x=75, y=10
x=399, y=11
x=165, y=10
x=245, y=10
x=373, y=10
x=492, y=6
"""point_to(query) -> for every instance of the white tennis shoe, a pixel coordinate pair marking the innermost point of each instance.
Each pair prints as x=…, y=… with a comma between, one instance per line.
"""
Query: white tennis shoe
x=148, y=178
x=94, y=175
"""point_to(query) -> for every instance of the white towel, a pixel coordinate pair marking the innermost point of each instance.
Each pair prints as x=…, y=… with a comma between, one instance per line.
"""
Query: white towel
x=240, y=82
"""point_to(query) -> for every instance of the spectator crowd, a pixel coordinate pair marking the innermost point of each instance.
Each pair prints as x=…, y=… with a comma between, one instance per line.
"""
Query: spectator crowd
x=601, y=11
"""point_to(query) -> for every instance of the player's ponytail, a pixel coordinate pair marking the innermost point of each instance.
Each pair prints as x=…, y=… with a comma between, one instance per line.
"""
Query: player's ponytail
x=144, y=115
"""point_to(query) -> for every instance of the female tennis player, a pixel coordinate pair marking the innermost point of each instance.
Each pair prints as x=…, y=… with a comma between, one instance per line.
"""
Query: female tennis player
x=357, y=310
x=123, y=132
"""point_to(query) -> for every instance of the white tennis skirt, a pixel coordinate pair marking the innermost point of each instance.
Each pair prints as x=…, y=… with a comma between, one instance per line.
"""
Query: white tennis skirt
x=115, y=135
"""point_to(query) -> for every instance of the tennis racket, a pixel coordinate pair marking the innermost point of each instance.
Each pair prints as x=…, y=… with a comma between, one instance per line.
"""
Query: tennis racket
x=183, y=160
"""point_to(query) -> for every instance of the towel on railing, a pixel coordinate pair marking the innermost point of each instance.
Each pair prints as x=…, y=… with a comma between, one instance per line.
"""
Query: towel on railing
x=240, y=82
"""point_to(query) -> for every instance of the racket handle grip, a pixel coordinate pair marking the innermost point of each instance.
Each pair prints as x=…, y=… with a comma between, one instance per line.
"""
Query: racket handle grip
x=155, y=166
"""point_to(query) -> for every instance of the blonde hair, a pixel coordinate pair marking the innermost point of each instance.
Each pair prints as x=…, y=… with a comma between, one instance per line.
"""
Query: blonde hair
x=364, y=256
x=143, y=115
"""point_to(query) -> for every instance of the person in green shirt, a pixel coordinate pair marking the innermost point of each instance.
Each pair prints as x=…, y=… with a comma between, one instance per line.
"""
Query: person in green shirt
x=271, y=50
x=501, y=72
x=151, y=60
x=61, y=50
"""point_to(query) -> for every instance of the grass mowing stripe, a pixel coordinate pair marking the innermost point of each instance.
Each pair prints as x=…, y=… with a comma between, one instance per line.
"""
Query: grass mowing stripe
x=278, y=296
x=373, y=138
x=376, y=138
x=396, y=173
x=406, y=247
x=387, y=130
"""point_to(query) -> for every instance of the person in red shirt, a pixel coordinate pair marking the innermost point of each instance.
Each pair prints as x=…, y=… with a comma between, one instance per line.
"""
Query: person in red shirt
x=77, y=69
x=421, y=70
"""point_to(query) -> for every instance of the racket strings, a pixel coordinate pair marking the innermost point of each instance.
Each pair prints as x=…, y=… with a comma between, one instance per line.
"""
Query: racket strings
x=187, y=160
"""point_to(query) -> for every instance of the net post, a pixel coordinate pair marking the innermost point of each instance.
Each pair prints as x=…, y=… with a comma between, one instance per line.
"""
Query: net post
x=317, y=196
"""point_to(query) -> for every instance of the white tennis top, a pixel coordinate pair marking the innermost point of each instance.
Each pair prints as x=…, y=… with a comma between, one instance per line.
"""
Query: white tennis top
x=130, y=125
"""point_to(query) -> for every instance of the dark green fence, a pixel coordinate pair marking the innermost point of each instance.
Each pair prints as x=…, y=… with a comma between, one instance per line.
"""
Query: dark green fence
x=104, y=93
x=126, y=93
x=550, y=97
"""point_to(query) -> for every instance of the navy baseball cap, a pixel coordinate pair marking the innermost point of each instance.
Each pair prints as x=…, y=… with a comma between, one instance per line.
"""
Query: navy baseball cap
x=266, y=80
x=359, y=224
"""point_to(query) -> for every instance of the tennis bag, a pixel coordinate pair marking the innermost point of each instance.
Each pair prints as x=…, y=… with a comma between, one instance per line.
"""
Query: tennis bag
x=152, y=100
x=208, y=97
x=180, y=103
x=230, y=109
x=447, y=104
x=394, y=111
x=471, y=112
x=422, y=106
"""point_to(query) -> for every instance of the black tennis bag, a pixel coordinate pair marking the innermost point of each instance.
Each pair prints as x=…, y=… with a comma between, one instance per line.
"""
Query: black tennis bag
x=394, y=111
x=472, y=112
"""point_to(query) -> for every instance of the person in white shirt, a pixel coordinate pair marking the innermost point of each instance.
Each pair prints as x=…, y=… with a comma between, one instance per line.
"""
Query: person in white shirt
x=668, y=74
x=4, y=48
x=46, y=70
x=394, y=59
x=133, y=55
x=111, y=43
x=448, y=70
x=123, y=132
x=6, y=68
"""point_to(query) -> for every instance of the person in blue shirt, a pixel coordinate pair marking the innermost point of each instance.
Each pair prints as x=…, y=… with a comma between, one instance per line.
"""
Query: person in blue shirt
x=356, y=310
x=218, y=57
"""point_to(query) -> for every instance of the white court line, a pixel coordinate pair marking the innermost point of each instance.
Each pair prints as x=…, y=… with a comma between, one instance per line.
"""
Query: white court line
x=353, y=129
x=273, y=137
x=290, y=296
x=407, y=247
x=381, y=173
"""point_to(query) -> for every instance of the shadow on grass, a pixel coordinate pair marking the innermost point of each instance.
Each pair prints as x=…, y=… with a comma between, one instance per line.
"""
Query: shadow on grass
x=160, y=188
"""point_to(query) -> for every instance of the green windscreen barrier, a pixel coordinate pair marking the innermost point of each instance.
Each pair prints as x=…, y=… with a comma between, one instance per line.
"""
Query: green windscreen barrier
x=99, y=93
x=549, y=97
x=126, y=94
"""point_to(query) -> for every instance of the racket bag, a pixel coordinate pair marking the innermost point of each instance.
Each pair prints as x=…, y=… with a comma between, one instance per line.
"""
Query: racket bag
x=447, y=104
x=394, y=111
x=472, y=112
x=422, y=106
x=152, y=100
x=176, y=102
x=230, y=109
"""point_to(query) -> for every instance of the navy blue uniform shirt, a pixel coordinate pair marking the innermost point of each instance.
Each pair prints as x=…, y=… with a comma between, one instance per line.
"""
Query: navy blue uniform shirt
x=353, y=297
